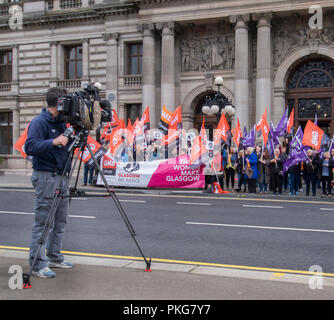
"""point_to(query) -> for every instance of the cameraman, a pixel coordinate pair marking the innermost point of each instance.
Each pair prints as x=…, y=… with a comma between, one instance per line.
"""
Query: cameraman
x=47, y=144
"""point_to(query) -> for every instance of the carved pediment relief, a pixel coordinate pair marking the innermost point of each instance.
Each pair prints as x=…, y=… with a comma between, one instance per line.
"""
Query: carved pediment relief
x=206, y=48
x=286, y=41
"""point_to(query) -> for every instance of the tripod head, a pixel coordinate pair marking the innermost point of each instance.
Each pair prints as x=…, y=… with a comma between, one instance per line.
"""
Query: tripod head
x=79, y=138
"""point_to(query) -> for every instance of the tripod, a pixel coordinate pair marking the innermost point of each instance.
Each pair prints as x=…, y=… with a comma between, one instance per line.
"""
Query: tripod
x=80, y=141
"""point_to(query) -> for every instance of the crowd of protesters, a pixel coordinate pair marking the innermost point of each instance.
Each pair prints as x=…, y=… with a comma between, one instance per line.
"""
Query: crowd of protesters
x=253, y=170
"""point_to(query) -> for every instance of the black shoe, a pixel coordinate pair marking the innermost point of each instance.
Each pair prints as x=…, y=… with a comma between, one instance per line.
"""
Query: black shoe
x=85, y=184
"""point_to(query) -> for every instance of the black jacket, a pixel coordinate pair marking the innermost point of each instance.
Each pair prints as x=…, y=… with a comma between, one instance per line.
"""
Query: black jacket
x=311, y=167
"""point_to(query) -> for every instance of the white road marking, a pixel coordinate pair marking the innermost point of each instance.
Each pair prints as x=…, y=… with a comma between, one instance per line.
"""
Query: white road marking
x=135, y=201
x=258, y=227
x=327, y=209
x=195, y=203
x=83, y=217
x=17, y=212
x=268, y=207
x=32, y=213
x=187, y=191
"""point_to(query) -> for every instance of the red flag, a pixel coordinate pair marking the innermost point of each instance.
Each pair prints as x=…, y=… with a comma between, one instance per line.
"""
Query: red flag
x=199, y=154
x=19, y=145
x=259, y=124
x=97, y=150
x=176, y=120
x=107, y=132
x=129, y=126
x=137, y=128
x=265, y=130
x=290, y=121
x=114, y=119
x=312, y=135
x=170, y=139
x=145, y=120
x=237, y=134
x=203, y=133
x=165, y=119
x=221, y=131
x=116, y=142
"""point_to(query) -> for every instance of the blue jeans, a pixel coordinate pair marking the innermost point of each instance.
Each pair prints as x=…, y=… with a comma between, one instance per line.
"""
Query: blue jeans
x=45, y=185
x=263, y=186
x=294, y=182
x=91, y=173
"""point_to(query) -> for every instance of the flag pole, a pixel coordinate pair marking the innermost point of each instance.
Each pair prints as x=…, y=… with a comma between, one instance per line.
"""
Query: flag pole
x=330, y=147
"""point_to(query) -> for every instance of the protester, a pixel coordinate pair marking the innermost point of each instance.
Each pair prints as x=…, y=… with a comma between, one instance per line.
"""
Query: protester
x=295, y=179
x=259, y=152
x=326, y=167
x=310, y=172
x=284, y=156
x=251, y=160
x=264, y=171
x=88, y=175
x=230, y=168
x=240, y=169
x=209, y=179
x=276, y=172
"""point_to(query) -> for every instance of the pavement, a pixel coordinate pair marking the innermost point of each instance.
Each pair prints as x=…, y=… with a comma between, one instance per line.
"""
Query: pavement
x=106, y=278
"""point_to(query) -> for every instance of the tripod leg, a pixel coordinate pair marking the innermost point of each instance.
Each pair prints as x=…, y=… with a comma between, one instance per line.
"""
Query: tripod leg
x=80, y=163
x=120, y=209
x=112, y=193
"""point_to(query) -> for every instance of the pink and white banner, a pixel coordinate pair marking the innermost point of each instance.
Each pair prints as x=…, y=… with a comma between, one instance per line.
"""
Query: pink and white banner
x=171, y=173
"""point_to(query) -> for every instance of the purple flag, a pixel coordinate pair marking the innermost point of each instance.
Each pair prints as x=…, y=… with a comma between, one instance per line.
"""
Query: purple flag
x=245, y=131
x=296, y=141
x=281, y=126
x=274, y=137
x=290, y=162
x=270, y=147
x=332, y=144
x=249, y=140
x=295, y=157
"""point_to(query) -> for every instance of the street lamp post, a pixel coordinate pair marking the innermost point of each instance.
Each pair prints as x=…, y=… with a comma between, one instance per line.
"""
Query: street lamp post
x=219, y=103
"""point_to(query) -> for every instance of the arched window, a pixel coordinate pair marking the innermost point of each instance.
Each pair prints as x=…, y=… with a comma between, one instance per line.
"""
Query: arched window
x=310, y=90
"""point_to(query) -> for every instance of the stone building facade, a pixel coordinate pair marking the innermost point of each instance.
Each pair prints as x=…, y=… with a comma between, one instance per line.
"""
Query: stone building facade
x=168, y=52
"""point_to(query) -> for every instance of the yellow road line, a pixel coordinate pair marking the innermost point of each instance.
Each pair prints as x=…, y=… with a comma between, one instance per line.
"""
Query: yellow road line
x=276, y=271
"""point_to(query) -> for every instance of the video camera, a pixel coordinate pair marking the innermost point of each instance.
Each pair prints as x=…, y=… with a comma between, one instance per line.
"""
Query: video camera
x=85, y=108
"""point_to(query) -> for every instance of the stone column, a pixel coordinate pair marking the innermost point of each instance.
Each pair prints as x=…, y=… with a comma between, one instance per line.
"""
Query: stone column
x=149, y=86
x=278, y=104
x=167, y=65
x=15, y=92
x=85, y=60
x=241, y=69
x=112, y=66
x=15, y=70
x=16, y=125
x=263, y=65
